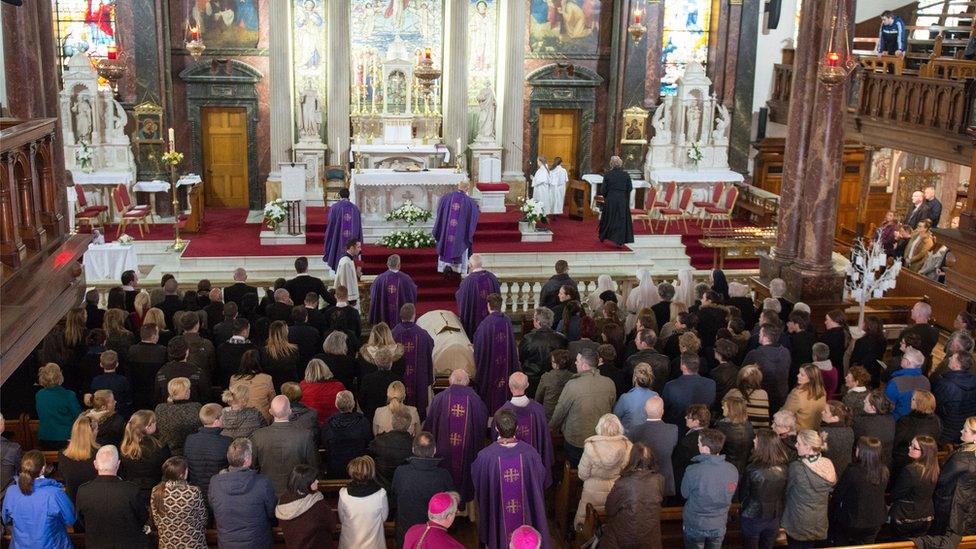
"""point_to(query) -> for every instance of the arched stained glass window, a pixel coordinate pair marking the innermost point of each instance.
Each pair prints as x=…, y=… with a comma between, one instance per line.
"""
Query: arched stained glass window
x=685, y=37
x=86, y=26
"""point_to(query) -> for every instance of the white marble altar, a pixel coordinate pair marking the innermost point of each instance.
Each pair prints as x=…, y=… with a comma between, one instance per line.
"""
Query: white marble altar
x=382, y=156
x=379, y=191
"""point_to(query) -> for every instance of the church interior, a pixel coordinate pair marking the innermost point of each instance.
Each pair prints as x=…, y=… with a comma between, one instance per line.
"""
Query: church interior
x=506, y=197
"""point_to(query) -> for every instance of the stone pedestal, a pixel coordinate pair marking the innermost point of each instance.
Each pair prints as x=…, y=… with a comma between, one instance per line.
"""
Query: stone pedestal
x=479, y=151
x=312, y=153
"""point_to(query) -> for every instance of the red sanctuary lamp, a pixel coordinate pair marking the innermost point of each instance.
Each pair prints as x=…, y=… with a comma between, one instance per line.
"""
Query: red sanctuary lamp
x=113, y=52
x=111, y=68
x=636, y=30
x=194, y=45
x=832, y=59
x=836, y=60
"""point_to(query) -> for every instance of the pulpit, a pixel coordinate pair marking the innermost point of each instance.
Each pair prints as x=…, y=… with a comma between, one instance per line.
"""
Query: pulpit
x=292, y=192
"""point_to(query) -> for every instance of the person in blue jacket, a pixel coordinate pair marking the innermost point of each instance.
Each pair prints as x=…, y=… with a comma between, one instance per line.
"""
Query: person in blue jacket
x=893, y=38
x=38, y=508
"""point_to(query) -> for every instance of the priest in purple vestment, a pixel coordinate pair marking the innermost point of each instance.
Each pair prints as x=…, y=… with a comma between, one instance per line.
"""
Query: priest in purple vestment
x=495, y=354
x=533, y=427
x=509, y=482
x=418, y=359
x=441, y=510
x=472, y=295
x=390, y=291
x=344, y=223
x=454, y=226
x=459, y=421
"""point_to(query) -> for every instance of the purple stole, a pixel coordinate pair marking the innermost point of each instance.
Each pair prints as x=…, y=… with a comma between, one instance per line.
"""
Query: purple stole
x=410, y=370
x=346, y=228
x=453, y=222
x=457, y=424
x=523, y=429
x=498, y=374
x=392, y=290
x=511, y=475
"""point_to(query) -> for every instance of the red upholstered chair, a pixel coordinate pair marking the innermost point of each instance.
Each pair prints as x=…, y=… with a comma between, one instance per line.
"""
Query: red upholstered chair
x=127, y=201
x=669, y=191
x=88, y=214
x=679, y=213
x=724, y=211
x=128, y=214
x=717, y=190
x=644, y=214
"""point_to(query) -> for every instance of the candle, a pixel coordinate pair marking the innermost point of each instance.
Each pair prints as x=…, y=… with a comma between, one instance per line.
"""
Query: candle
x=194, y=33
x=833, y=59
x=172, y=137
x=113, y=52
x=637, y=16
x=459, y=145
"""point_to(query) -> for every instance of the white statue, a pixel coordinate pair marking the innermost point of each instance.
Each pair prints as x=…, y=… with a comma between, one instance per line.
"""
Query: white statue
x=83, y=118
x=311, y=120
x=693, y=129
x=115, y=117
x=722, y=122
x=486, y=114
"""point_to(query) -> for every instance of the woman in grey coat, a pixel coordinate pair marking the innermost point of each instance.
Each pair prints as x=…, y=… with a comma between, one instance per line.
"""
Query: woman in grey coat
x=811, y=479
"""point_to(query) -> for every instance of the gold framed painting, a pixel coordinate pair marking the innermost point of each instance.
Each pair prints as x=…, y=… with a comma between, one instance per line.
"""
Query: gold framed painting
x=634, y=127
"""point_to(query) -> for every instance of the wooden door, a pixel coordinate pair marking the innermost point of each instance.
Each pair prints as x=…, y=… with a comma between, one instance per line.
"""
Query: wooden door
x=849, y=195
x=224, y=140
x=559, y=136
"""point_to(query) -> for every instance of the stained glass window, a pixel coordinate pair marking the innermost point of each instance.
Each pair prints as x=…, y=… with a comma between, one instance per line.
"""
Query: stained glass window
x=482, y=46
x=685, y=38
x=84, y=26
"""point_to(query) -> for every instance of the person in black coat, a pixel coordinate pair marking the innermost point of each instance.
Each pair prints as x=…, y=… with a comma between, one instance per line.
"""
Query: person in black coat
x=740, y=300
x=870, y=348
x=960, y=466
x=143, y=361
x=536, y=347
x=615, y=221
x=221, y=331
x=837, y=337
x=415, y=482
x=302, y=334
x=725, y=374
x=801, y=341
x=345, y=436
x=235, y=292
x=206, y=450
x=912, y=509
x=391, y=450
x=171, y=303
x=697, y=417
x=858, y=498
x=712, y=317
x=549, y=296
x=921, y=421
x=836, y=424
x=304, y=283
x=335, y=355
x=96, y=316
x=230, y=352
x=738, y=432
x=110, y=509
x=762, y=491
x=877, y=422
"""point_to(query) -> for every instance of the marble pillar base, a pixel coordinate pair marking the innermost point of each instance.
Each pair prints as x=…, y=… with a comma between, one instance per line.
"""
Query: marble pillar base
x=312, y=153
x=271, y=238
x=771, y=267
x=822, y=292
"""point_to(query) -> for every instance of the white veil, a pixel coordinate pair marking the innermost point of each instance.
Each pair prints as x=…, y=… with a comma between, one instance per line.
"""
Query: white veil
x=685, y=289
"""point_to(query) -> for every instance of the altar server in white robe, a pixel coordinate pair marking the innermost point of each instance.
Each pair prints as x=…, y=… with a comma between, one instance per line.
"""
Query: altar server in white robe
x=346, y=273
x=542, y=186
x=558, y=177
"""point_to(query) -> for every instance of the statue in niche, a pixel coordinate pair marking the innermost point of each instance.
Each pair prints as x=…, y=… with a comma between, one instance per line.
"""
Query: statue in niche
x=661, y=121
x=722, y=122
x=397, y=93
x=486, y=114
x=311, y=109
x=83, y=118
x=693, y=128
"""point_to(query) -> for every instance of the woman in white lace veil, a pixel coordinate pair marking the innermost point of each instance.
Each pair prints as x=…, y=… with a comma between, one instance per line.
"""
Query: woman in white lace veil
x=644, y=295
x=604, y=283
x=685, y=288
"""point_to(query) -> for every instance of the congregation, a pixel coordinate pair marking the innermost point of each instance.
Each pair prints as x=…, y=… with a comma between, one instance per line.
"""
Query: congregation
x=677, y=394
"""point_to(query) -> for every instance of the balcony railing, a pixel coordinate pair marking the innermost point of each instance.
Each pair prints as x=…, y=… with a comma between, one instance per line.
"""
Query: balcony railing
x=929, y=104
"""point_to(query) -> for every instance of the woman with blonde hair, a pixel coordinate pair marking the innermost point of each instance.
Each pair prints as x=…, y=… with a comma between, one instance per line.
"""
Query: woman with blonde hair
x=238, y=419
x=319, y=390
x=260, y=386
x=960, y=466
x=76, y=462
x=56, y=406
x=737, y=430
x=117, y=337
x=380, y=339
x=75, y=329
x=808, y=399
x=811, y=478
x=279, y=357
x=335, y=354
x=748, y=386
x=157, y=317
x=396, y=393
x=178, y=509
x=140, y=307
x=142, y=454
x=604, y=457
x=178, y=417
x=363, y=507
x=630, y=406
x=111, y=426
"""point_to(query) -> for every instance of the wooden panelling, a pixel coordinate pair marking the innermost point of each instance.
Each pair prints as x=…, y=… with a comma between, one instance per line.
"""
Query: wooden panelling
x=946, y=303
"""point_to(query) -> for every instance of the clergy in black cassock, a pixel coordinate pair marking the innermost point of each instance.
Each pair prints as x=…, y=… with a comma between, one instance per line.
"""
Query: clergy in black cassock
x=615, y=221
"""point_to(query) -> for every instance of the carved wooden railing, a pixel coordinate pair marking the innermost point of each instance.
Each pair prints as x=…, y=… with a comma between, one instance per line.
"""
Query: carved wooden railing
x=923, y=103
x=883, y=63
x=948, y=69
x=30, y=215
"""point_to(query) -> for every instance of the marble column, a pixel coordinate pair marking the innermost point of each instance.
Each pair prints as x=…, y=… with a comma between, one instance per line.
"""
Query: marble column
x=282, y=103
x=455, y=69
x=337, y=119
x=743, y=20
x=512, y=78
x=145, y=45
x=654, y=20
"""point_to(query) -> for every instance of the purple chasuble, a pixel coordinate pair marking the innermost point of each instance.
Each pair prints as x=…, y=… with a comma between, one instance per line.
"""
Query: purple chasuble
x=510, y=483
x=459, y=421
x=388, y=293
x=454, y=226
x=472, y=299
x=534, y=429
x=344, y=223
x=418, y=371
x=495, y=358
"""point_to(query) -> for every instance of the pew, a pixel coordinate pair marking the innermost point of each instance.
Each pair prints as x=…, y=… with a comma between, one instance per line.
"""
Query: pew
x=569, y=491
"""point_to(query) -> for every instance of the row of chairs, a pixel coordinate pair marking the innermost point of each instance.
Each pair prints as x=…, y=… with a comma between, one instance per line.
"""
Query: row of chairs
x=717, y=209
x=92, y=214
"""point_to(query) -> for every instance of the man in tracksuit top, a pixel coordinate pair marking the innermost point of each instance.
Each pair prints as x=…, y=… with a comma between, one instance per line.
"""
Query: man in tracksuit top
x=893, y=38
x=707, y=486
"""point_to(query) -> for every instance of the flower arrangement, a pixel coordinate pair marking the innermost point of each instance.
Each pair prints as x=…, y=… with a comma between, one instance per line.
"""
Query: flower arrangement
x=532, y=211
x=864, y=282
x=417, y=238
x=275, y=212
x=410, y=214
x=84, y=156
x=172, y=158
x=695, y=153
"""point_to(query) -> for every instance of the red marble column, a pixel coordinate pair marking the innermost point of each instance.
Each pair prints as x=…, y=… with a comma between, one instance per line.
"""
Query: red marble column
x=733, y=23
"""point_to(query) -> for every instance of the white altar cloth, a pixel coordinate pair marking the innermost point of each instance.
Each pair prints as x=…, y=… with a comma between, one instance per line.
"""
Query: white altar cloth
x=102, y=177
x=153, y=186
x=109, y=261
x=595, y=180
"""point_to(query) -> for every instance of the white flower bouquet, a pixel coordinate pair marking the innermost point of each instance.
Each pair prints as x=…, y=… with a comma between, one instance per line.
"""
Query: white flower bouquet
x=275, y=212
x=417, y=238
x=84, y=156
x=532, y=211
x=410, y=214
x=695, y=153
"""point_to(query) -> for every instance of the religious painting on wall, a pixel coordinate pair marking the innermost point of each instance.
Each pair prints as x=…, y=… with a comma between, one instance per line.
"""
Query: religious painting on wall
x=881, y=168
x=482, y=46
x=225, y=23
x=685, y=37
x=309, y=49
x=634, y=129
x=84, y=26
x=564, y=27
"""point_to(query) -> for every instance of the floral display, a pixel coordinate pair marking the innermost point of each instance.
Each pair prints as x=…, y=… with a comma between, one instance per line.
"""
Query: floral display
x=84, y=157
x=532, y=211
x=410, y=214
x=416, y=238
x=275, y=212
x=695, y=153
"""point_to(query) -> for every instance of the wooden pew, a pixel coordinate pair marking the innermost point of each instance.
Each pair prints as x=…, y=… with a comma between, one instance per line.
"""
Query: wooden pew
x=567, y=499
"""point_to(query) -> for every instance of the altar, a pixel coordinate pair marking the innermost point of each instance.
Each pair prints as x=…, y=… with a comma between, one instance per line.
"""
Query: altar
x=384, y=156
x=378, y=191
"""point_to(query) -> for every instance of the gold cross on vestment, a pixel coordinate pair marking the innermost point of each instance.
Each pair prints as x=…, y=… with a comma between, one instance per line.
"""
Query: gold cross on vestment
x=391, y=289
x=408, y=346
x=512, y=506
x=511, y=475
x=457, y=410
x=455, y=439
x=455, y=206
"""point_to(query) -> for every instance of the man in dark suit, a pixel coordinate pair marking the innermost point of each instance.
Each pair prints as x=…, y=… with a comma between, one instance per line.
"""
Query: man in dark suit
x=129, y=280
x=171, y=302
x=712, y=317
x=222, y=331
x=96, y=316
x=660, y=437
x=919, y=210
x=536, y=347
x=549, y=297
x=645, y=340
x=280, y=309
x=317, y=318
x=304, y=283
x=229, y=352
x=143, y=361
x=236, y=291
x=214, y=309
x=279, y=447
x=934, y=205
x=110, y=508
x=308, y=339
x=801, y=339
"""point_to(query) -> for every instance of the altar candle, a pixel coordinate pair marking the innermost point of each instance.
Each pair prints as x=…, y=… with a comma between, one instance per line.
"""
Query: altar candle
x=458, y=146
x=172, y=140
